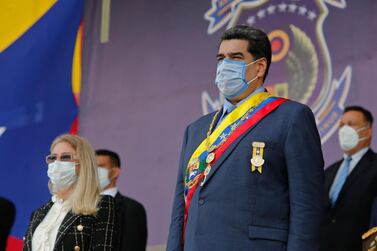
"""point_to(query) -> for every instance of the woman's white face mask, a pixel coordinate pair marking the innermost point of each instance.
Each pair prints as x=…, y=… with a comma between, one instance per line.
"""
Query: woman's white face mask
x=349, y=137
x=62, y=174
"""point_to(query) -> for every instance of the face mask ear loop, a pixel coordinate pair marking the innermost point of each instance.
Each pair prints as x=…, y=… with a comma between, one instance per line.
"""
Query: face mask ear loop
x=362, y=129
x=253, y=62
x=256, y=77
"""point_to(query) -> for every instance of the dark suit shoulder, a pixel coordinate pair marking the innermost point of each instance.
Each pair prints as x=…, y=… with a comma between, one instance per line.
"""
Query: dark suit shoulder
x=119, y=198
x=44, y=207
x=370, y=154
x=294, y=108
x=333, y=166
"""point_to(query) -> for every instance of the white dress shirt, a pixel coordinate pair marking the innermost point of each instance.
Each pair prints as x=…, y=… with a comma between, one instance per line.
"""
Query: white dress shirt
x=45, y=234
x=110, y=191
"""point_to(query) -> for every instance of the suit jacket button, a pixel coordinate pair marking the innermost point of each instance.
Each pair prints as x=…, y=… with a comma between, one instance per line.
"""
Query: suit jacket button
x=80, y=227
x=201, y=201
x=76, y=248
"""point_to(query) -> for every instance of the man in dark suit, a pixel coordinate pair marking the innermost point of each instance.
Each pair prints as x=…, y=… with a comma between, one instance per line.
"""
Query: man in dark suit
x=350, y=184
x=250, y=175
x=131, y=214
x=7, y=216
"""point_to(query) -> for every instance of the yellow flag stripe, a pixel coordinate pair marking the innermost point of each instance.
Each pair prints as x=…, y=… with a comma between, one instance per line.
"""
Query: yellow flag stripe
x=230, y=119
x=76, y=64
x=17, y=16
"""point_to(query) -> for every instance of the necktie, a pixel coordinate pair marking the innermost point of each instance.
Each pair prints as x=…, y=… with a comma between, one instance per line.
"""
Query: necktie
x=341, y=179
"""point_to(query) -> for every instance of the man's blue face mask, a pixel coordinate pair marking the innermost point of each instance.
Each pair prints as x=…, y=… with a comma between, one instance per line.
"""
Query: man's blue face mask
x=230, y=77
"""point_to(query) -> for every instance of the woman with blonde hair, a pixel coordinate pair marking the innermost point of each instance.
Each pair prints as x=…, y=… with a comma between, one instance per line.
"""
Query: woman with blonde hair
x=77, y=217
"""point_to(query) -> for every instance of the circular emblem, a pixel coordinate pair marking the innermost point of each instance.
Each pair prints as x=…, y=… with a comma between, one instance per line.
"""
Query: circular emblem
x=257, y=161
x=210, y=158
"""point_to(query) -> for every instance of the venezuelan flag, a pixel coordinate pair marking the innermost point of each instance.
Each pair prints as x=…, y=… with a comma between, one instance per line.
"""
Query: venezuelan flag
x=40, y=75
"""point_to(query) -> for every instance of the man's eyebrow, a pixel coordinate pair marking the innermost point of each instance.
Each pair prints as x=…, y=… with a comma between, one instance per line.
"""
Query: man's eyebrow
x=232, y=54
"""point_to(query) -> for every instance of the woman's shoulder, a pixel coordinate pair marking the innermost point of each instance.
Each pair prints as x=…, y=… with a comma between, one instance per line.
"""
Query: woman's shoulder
x=41, y=211
x=106, y=199
x=106, y=202
x=44, y=207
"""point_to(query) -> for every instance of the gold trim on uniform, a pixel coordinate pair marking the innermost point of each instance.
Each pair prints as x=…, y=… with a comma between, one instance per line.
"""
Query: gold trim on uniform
x=369, y=233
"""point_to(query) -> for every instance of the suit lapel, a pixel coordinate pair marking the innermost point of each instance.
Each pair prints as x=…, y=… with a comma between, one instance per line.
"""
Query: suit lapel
x=359, y=169
x=331, y=176
x=216, y=120
x=68, y=220
x=230, y=149
x=119, y=205
x=40, y=215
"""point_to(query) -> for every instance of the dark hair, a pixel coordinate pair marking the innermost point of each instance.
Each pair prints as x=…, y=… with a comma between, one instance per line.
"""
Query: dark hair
x=367, y=114
x=259, y=44
x=114, y=157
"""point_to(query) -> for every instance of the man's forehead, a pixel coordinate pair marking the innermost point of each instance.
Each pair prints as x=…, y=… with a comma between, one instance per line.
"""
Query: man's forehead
x=353, y=116
x=234, y=46
x=103, y=159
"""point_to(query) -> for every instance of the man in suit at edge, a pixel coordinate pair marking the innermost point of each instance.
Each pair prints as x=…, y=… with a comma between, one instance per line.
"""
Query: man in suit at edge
x=131, y=214
x=350, y=184
x=250, y=175
x=7, y=217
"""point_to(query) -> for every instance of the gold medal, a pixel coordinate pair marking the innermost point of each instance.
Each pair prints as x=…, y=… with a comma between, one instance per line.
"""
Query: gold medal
x=206, y=172
x=257, y=160
x=258, y=144
x=210, y=158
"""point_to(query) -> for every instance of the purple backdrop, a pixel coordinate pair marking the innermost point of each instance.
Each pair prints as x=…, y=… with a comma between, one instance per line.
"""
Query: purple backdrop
x=144, y=86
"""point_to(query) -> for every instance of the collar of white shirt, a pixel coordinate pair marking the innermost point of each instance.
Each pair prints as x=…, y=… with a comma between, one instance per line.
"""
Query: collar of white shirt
x=356, y=157
x=110, y=191
x=228, y=107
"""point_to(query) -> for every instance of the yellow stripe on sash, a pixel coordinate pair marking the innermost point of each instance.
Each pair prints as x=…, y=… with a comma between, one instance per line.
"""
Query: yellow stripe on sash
x=236, y=114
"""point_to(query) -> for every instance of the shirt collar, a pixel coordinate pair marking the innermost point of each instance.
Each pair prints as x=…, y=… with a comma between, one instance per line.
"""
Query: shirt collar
x=110, y=191
x=358, y=155
x=56, y=199
x=228, y=107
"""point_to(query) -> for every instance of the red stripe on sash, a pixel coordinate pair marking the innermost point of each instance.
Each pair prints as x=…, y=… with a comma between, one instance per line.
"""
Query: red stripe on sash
x=259, y=115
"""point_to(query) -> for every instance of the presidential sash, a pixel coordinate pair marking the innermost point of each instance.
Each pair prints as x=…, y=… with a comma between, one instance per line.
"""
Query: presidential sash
x=230, y=129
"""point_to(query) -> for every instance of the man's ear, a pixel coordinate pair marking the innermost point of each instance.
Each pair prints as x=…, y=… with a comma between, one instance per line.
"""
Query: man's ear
x=115, y=172
x=369, y=132
x=262, y=66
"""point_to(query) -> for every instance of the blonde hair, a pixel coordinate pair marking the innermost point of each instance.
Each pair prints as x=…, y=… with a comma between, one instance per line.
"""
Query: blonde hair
x=85, y=195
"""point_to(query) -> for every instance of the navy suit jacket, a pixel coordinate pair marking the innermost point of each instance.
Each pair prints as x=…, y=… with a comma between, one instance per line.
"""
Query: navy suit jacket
x=132, y=219
x=344, y=224
x=373, y=217
x=237, y=209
